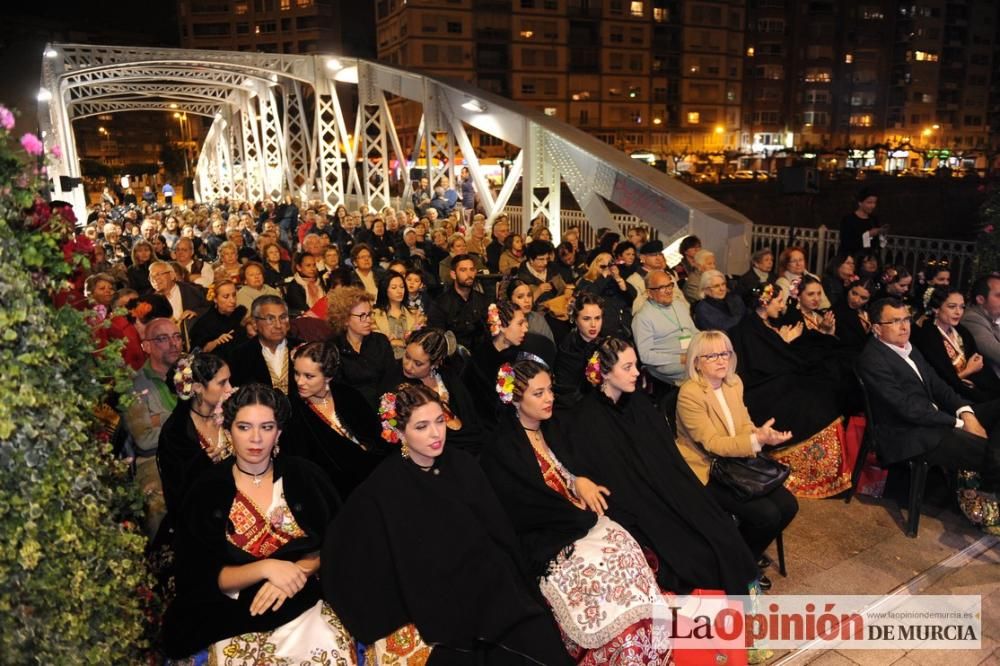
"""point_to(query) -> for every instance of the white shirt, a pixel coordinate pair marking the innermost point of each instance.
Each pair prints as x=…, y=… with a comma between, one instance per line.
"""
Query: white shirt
x=207, y=277
x=904, y=353
x=174, y=296
x=275, y=360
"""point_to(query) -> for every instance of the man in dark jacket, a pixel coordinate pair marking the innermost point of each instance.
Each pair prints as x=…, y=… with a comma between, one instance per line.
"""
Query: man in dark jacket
x=461, y=309
x=917, y=412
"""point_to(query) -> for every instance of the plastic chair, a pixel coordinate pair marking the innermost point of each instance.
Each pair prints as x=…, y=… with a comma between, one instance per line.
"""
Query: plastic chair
x=918, y=469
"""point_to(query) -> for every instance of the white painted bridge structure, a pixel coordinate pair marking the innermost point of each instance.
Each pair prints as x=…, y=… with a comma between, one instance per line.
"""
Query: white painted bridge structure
x=279, y=126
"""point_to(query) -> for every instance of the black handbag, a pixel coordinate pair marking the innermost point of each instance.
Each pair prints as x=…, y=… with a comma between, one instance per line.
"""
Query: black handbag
x=748, y=478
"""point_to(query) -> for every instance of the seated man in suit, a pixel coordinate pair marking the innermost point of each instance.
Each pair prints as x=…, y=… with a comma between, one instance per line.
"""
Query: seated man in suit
x=265, y=359
x=918, y=413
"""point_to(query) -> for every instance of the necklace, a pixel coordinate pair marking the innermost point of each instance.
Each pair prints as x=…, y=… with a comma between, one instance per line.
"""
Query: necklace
x=204, y=416
x=256, y=477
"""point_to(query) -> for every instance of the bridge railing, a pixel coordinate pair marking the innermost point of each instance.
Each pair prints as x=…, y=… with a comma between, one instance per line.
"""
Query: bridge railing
x=820, y=244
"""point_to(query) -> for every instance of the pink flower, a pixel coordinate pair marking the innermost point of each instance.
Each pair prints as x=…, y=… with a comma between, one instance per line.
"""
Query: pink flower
x=6, y=118
x=57, y=152
x=988, y=228
x=32, y=144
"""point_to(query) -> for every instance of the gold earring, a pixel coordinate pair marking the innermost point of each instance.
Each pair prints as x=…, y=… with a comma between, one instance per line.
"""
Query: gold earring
x=404, y=450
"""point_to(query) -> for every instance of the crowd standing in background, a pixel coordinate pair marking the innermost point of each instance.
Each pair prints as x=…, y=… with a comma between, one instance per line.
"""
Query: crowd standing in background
x=319, y=390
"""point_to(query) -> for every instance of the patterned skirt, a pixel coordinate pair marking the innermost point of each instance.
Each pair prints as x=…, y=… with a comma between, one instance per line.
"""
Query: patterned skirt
x=403, y=647
x=817, y=463
x=605, y=598
x=314, y=637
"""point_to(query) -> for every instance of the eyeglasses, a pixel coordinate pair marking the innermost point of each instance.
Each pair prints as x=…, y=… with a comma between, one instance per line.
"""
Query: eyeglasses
x=157, y=276
x=722, y=355
x=896, y=322
x=362, y=315
x=272, y=320
x=164, y=339
x=661, y=287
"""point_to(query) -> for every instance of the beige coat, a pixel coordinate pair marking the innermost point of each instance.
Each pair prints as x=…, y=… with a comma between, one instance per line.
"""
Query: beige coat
x=380, y=323
x=701, y=425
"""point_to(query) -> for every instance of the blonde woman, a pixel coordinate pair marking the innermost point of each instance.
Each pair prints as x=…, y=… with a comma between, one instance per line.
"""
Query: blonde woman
x=604, y=280
x=712, y=421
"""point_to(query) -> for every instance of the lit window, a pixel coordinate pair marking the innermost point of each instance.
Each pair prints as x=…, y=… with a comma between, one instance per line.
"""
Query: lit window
x=922, y=56
x=660, y=15
x=636, y=8
x=694, y=118
x=241, y=8
x=848, y=58
x=286, y=5
x=749, y=51
x=527, y=34
x=550, y=110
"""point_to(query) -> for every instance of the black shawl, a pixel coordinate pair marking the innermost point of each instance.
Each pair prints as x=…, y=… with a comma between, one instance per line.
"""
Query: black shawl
x=778, y=382
x=629, y=448
x=373, y=370
x=480, y=377
x=435, y=550
x=201, y=614
x=346, y=464
x=545, y=521
x=569, y=382
x=212, y=324
x=469, y=437
x=930, y=342
x=179, y=457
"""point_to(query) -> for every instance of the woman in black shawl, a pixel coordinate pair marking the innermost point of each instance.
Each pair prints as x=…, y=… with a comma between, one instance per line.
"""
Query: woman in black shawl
x=423, y=362
x=508, y=329
x=423, y=555
x=780, y=381
x=586, y=312
x=220, y=330
x=621, y=441
x=332, y=425
x=578, y=554
x=248, y=543
x=192, y=438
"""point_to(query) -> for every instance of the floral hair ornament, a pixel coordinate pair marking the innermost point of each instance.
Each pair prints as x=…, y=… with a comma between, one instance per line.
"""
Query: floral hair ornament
x=493, y=319
x=390, y=422
x=793, y=288
x=140, y=310
x=593, y=370
x=766, y=294
x=184, y=377
x=505, y=383
x=890, y=275
x=927, y=297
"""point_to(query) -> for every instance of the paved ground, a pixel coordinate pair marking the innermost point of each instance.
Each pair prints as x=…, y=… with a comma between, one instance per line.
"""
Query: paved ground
x=860, y=548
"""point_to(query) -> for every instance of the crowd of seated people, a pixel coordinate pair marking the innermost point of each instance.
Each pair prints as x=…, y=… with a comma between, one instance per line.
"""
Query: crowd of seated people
x=348, y=384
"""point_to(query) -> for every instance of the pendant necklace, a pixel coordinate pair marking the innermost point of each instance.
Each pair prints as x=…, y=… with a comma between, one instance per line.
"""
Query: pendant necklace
x=257, y=478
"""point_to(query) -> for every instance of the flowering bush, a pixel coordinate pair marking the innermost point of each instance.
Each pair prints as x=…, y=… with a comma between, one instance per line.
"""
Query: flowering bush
x=74, y=587
x=988, y=241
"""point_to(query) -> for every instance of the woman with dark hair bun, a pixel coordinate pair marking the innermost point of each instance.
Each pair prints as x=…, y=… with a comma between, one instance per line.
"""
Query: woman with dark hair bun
x=192, y=438
x=587, y=315
x=620, y=440
x=248, y=542
x=950, y=348
x=838, y=278
x=423, y=559
x=577, y=553
x=508, y=328
x=332, y=424
x=425, y=362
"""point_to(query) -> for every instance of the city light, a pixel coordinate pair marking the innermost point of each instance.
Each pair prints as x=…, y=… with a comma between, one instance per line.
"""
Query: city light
x=51, y=53
x=173, y=105
x=474, y=105
x=334, y=65
x=347, y=75
x=719, y=129
x=44, y=95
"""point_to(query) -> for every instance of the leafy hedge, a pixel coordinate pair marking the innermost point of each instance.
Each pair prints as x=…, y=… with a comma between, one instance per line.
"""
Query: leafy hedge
x=73, y=579
x=988, y=241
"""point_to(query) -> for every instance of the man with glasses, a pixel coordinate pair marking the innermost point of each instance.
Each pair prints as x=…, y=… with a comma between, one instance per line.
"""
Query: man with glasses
x=663, y=331
x=265, y=359
x=152, y=402
x=917, y=412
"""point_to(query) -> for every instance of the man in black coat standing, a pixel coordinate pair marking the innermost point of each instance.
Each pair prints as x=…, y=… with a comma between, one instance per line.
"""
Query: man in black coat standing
x=917, y=412
x=461, y=308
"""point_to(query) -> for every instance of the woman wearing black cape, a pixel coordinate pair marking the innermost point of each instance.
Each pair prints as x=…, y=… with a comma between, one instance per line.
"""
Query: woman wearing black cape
x=592, y=573
x=423, y=555
x=424, y=362
x=622, y=442
x=332, y=425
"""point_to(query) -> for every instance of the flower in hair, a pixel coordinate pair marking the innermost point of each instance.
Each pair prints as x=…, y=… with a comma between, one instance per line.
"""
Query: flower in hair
x=593, y=370
x=927, y=296
x=184, y=378
x=390, y=421
x=793, y=288
x=889, y=275
x=766, y=294
x=493, y=319
x=505, y=383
